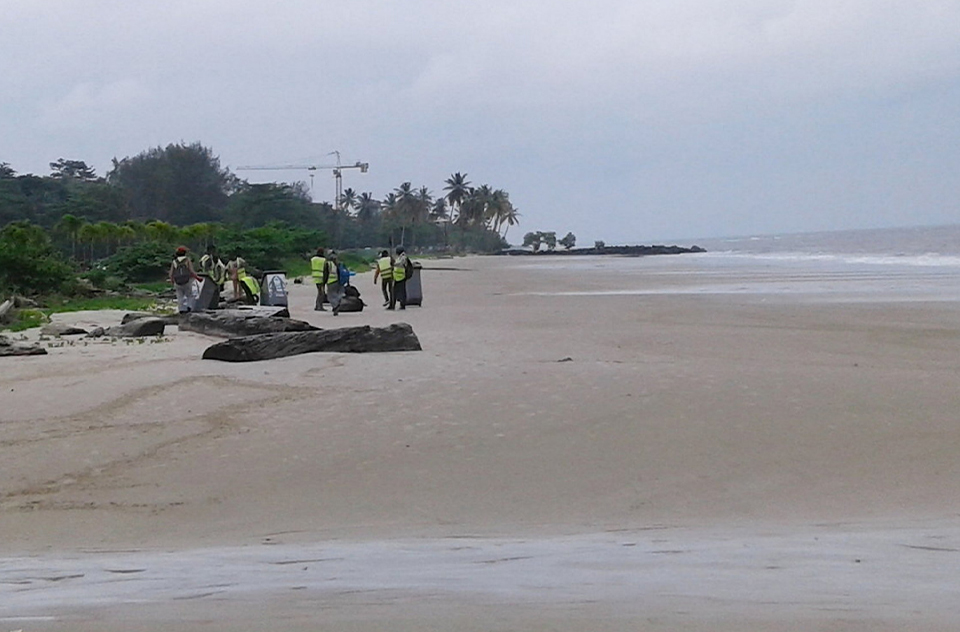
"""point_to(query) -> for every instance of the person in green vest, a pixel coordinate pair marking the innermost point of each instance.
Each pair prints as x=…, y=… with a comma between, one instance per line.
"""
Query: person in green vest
x=317, y=267
x=384, y=271
x=213, y=267
x=399, y=294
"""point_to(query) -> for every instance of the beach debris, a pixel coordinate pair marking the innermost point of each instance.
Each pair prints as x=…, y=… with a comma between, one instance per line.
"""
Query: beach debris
x=566, y=359
x=61, y=329
x=229, y=323
x=363, y=339
x=5, y=308
x=170, y=319
x=10, y=348
x=138, y=328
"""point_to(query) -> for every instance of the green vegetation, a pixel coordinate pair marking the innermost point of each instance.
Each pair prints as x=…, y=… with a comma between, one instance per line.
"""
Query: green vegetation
x=29, y=263
x=26, y=319
x=74, y=235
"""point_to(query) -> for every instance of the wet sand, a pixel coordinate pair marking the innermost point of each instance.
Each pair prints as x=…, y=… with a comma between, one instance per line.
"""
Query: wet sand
x=561, y=456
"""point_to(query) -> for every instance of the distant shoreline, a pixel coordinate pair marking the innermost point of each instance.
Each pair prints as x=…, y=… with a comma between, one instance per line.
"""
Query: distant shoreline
x=636, y=251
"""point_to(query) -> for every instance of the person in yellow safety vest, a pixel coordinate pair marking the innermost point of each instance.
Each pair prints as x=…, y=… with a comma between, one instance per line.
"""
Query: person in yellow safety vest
x=317, y=267
x=212, y=265
x=253, y=287
x=331, y=282
x=399, y=294
x=384, y=271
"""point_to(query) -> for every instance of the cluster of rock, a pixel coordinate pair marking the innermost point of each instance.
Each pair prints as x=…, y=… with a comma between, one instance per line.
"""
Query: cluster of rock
x=264, y=333
x=15, y=348
x=633, y=251
x=363, y=339
x=253, y=333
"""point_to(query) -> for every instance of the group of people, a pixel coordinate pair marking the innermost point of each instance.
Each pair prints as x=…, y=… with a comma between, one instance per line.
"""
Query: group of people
x=325, y=269
x=392, y=273
x=183, y=275
x=329, y=275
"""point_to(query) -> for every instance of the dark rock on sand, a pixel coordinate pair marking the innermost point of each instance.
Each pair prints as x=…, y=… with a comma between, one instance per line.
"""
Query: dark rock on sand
x=61, y=329
x=11, y=348
x=365, y=339
x=138, y=328
x=170, y=319
x=234, y=322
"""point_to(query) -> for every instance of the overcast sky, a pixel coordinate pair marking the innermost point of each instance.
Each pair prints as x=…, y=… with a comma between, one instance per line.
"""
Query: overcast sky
x=630, y=121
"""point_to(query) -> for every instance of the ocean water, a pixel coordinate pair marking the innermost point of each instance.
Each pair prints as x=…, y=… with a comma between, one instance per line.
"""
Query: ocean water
x=893, y=264
x=879, y=265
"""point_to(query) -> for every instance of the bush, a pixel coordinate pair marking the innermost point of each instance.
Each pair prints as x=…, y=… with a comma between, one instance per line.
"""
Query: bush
x=269, y=247
x=28, y=262
x=147, y=261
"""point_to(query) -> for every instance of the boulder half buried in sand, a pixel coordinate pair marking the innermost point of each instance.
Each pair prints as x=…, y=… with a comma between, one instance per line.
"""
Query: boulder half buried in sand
x=138, y=328
x=62, y=329
x=365, y=339
x=234, y=322
x=129, y=317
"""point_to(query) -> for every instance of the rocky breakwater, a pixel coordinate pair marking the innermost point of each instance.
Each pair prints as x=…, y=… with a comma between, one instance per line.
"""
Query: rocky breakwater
x=631, y=251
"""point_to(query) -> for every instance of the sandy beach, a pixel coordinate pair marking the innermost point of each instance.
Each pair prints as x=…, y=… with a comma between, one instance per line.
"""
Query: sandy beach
x=562, y=455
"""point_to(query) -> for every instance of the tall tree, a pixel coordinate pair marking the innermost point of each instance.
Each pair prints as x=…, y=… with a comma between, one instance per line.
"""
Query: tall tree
x=71, y=225
x=259, y=204
x=73, y=170
x=457, y=188
x=348, y=200
x=181, y=184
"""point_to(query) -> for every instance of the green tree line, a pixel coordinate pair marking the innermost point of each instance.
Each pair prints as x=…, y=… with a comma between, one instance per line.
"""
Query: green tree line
x=127, y=221
x=184, y=184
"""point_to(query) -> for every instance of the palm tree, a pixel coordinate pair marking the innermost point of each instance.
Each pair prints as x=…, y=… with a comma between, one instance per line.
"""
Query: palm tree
x=367, y=208
x=139, y=229
x=390, y=207
x=161, y=231
x=71, y=225
x=406, y=208
x=348, y=200
x=438, y=212
x=87, y=235
x=473, y=209
x=368, y=211
x=458, y=187
x=108, y=235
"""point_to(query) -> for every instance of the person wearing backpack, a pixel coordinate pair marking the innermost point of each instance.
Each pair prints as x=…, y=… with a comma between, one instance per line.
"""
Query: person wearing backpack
x=182, y=275
x=331, y=281
x=401, y=268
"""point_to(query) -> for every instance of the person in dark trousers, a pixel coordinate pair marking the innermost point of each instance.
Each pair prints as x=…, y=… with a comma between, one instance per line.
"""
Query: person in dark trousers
x=384, y=271
x=213, y=266
x=399, y=294
x=318, y=264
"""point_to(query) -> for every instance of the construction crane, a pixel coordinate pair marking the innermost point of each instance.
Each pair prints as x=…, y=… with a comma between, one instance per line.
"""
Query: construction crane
x=337, y=173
